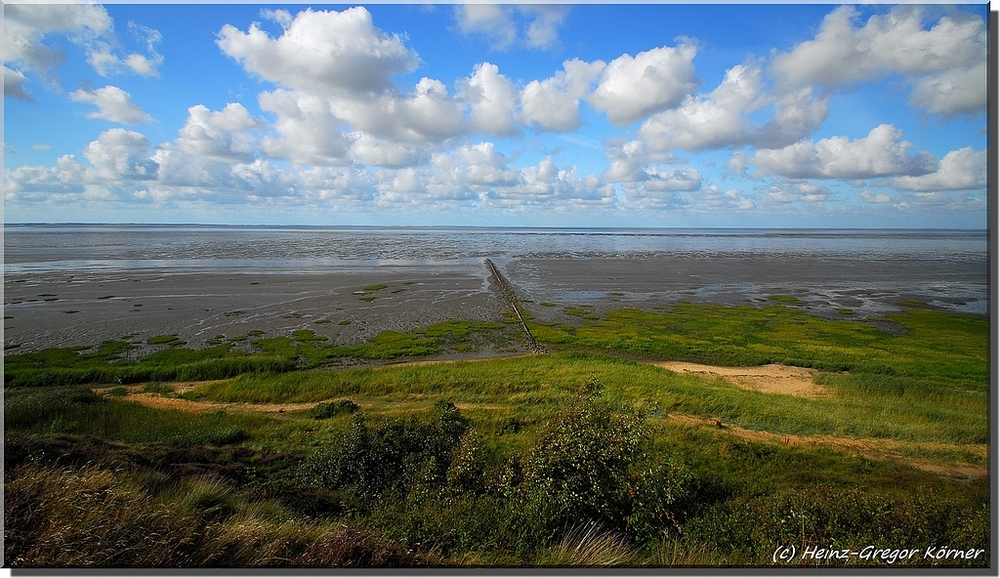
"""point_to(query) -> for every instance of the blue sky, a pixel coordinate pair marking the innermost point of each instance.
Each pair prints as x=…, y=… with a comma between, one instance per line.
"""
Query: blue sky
x=514, y=115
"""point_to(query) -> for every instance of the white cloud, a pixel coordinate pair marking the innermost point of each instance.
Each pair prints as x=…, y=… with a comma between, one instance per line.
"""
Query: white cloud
x=309, y=133
x=797, y=193
x=959, y=170
x=280, y=16
x=429, y=114
x=113, y=104
x=878, y=199
x=952, y=52
x=337, y=187
x=501, y=24
x=632, y=162
x=479, y=166
x=25, y=25
x=543, y=31
x=367, y=149
x=418, y=187
x=13, y=85
x=554, y=103
x=719, y=119
x=87, y=26
x=223, y=135
x=120, y=154
x=322, y=53
x=952, y=92
x=680, y=179
x=145, y=64
x=490, y=20
x=26, y=182
x=546, y=185
x=493, y=99
x=630, y=89
x=713, y=121
x=880, y=154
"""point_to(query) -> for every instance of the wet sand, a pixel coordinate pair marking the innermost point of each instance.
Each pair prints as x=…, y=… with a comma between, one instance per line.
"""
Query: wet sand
x=825, y=287
x=84, y=308
x=65, y=310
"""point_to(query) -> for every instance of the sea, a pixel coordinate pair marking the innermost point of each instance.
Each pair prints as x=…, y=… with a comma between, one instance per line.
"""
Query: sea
x=952, y=263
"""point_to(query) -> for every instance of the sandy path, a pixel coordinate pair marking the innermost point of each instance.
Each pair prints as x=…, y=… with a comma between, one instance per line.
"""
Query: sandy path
x=774, y=378
x=878, y=449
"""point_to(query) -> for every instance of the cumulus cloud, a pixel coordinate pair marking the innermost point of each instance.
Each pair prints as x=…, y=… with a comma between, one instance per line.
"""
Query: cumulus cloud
x=322, y=53
x=113, y=104
x=547, y=185
x=428, y=114
x=490, y=20
x=13, y=85
x=632, y=162
x=878, y=199
x=945, y=62
x=797, y=193
x=478, y=166
x=337, y=186
x=367, y=149
x=308, y=131
x=223, y=134
x=543, y=31
x=720, y=118
x=493, y=100
x=678, y=179
x=554, y=103
x=880, y=154
x=959, y=170
x=87, y=26
x=120, y=154
x=501, y=24
x=952, y=92
x=715, y=120
x=631, y=88
x=25, y=25
x=714, y=198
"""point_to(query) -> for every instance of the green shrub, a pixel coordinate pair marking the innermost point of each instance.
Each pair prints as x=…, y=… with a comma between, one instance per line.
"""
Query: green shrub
x=579, y=469
x=334, y=408
x=389, y=459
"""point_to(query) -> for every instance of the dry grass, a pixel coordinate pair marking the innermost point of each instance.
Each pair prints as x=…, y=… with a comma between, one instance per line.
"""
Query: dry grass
x=587, y=545
x=95, y=517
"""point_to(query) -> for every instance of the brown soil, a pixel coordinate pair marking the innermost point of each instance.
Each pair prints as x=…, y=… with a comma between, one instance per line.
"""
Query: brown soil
x=775, y=378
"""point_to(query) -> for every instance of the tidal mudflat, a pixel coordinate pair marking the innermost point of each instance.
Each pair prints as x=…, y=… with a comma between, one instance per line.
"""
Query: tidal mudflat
x=75, y=286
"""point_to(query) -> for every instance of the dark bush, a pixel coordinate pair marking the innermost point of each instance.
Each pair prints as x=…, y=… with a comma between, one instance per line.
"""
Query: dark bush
x=389, y=459
x=331, y=409
x=580, y=468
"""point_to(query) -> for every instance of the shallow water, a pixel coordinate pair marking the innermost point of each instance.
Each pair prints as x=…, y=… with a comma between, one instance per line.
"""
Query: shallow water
x=108, y=247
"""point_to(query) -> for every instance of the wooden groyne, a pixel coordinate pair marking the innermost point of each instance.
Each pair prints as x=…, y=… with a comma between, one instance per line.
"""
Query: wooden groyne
x=506, y=291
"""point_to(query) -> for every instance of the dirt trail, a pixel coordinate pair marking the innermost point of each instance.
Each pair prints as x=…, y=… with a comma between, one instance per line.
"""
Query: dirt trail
x=877, y=449
x=774, y=378
x=160, y=401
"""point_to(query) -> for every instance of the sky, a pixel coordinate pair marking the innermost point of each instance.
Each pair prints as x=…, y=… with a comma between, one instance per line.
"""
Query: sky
x=568, y=115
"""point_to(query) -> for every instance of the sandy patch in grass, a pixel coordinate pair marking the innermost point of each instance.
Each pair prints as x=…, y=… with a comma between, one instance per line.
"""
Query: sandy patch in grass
x=158, y=401
x=774, y=378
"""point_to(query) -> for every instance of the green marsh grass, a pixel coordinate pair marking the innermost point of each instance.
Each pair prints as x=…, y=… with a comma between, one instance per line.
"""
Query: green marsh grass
x=568, y=458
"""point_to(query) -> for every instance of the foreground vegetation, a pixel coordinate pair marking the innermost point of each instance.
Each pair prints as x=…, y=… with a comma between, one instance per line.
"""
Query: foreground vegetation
x=586, y=456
